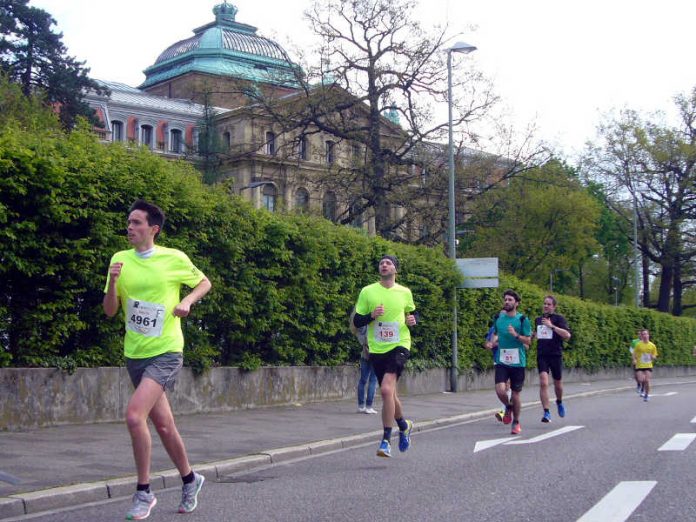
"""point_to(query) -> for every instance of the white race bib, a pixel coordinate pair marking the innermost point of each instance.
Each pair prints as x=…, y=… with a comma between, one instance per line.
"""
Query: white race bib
x=387, y=332
x=509, y=355
x=544, y=332
x=145, y=318
x=646, y=357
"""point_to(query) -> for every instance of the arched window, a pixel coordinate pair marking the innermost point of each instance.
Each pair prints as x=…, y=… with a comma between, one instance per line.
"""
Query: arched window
x=269, y=197
x=270, y=143
x=146, y=135
x=302, y=200
x=116, y=130
x=329, y=206
x=303, y=148
x=330, y=152
x=176, y=141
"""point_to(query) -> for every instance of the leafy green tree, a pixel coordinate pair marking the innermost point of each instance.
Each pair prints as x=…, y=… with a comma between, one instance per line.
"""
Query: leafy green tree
x=609, y=274
x=539, y=226
x=34, y=56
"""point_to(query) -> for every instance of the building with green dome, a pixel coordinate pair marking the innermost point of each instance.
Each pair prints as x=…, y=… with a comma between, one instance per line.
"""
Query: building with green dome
x=221, y=57
x=223, y=76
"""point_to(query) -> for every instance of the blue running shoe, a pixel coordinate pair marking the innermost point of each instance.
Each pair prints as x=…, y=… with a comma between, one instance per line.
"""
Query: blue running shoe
x=561, y=409
x=384, y=449
x=546, y=417
x=405, y=437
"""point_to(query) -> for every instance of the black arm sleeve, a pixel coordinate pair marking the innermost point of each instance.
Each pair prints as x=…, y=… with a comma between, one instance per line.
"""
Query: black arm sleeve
x=360, y=320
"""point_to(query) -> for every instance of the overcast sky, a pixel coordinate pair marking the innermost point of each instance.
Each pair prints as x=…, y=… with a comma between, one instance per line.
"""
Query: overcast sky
x=559, y=63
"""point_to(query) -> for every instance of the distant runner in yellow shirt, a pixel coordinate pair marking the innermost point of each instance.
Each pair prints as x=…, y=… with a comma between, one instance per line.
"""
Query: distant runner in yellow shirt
x=644, y=353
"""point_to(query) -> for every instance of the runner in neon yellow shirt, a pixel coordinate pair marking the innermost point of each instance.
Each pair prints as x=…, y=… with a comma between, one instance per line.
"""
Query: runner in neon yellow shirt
x=644, y=353
x=145, y=282
x=387, y=309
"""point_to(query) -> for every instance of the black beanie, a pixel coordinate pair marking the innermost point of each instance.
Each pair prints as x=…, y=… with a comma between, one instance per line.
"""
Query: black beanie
x=393, y=259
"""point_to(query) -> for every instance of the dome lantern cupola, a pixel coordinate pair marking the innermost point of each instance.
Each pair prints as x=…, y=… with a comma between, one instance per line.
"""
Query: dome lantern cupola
x=225, y=48
x=225, y=12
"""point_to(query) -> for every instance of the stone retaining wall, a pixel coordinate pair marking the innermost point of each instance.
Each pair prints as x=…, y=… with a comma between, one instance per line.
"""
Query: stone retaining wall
x=33, y=398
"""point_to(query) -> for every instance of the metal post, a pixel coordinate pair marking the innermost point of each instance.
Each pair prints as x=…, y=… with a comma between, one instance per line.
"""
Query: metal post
x=451, y=229
x=635, y=249
x=459, y=47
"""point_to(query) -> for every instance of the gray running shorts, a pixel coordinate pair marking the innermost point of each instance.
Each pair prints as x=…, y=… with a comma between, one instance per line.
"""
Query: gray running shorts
x=163, y=369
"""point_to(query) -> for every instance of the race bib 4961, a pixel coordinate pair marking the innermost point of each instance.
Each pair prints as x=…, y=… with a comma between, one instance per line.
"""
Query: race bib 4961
x=145, y=318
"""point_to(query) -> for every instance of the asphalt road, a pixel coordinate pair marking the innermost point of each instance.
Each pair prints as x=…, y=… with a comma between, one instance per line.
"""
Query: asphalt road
x=614, y=457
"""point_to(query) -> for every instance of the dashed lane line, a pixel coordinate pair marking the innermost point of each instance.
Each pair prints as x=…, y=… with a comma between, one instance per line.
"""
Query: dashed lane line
x=620, y=502
x=679, y=442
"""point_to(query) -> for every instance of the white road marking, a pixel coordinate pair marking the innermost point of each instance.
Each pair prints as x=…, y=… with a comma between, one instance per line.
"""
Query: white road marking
x=693, y=421
x=545, y=436
x=620, y=502
x=485, y=444
x=679, y=442
x=668, y=394
x=10, y=479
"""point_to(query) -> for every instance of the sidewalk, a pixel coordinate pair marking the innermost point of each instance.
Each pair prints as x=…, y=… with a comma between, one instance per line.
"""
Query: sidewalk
x=60, y=466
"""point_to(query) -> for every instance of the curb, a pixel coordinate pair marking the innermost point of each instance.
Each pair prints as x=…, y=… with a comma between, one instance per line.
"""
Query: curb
x=65, y=496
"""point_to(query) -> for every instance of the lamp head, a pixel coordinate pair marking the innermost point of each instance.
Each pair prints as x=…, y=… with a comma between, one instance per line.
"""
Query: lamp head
x=462, y=47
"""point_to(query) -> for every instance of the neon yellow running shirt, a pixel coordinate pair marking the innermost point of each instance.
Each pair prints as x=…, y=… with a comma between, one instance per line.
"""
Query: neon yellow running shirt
x=148, y=290
x=644, y=353
x=389, y=330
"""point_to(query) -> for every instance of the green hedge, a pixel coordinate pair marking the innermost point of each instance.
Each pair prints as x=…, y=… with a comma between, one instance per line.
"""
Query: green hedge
x=601, y=334
x=283, y=286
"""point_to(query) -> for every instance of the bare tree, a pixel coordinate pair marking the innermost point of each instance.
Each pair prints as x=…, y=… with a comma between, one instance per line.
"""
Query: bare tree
x=374, y=90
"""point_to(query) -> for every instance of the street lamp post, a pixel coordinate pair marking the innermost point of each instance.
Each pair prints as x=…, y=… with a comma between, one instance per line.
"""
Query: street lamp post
x=635, y=250
x=459, y=47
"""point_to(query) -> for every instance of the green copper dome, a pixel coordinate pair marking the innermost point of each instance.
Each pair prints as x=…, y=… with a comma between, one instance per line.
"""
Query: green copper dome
x=226, y=48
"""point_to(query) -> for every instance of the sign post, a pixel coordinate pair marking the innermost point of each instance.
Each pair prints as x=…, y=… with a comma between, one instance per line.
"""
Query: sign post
x=481, y=272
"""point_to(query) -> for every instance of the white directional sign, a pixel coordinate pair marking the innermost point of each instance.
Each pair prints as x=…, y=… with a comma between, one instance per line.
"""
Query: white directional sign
x=479, y=272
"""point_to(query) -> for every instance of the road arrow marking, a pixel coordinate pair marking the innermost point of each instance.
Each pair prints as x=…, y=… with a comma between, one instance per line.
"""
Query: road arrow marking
x=679, y=442
x=485, y=444
x=693, y=421
x=10, y=479
x=620, y=502
x=555, y=433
